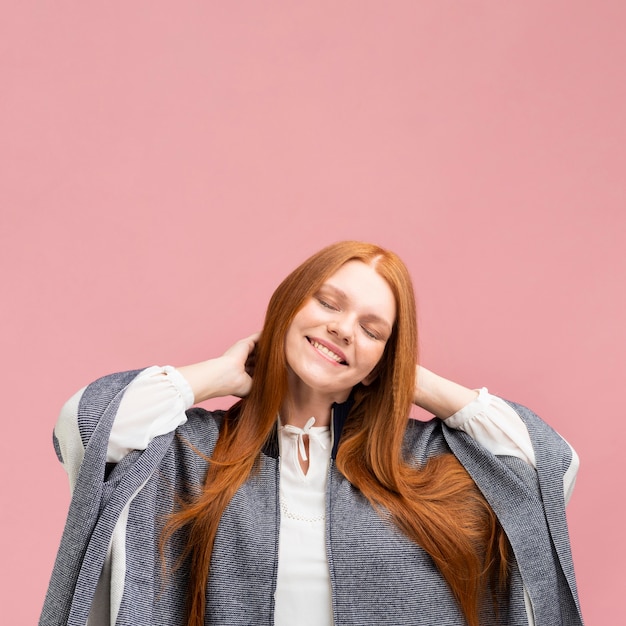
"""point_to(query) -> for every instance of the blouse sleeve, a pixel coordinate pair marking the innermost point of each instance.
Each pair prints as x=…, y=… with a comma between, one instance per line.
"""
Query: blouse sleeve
x=154, y=404
x=494, y=424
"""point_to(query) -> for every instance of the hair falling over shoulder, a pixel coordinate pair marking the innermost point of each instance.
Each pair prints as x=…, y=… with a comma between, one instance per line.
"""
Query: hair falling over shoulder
x=437, y=506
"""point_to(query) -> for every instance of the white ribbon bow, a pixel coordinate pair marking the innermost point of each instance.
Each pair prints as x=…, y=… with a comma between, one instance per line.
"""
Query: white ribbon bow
x=301, y=432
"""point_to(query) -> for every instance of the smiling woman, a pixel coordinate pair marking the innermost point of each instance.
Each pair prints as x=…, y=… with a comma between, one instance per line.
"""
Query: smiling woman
x=314, y=500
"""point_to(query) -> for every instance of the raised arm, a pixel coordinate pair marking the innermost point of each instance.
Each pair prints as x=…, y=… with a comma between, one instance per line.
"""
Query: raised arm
x=440, y=396
x=489, y=420
x=155, y=402
x=227, y=375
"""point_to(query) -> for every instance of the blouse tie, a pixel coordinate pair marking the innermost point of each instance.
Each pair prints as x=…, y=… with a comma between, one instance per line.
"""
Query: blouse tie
x=299, y=434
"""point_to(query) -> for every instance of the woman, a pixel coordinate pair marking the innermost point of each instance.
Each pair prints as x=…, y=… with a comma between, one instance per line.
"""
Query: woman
x=313, y=500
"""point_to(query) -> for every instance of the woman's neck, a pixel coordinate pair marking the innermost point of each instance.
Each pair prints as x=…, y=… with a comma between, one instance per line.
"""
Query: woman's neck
x=304, y=402
x=299, y=413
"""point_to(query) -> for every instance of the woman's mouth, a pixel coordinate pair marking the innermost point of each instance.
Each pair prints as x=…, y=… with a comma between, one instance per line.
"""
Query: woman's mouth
x=328, y=352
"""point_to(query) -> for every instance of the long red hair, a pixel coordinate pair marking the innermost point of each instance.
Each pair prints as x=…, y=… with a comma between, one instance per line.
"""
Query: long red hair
x=437, y=506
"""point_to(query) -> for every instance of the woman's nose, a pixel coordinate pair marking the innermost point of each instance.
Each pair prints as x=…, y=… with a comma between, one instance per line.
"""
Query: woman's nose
x=341, y=329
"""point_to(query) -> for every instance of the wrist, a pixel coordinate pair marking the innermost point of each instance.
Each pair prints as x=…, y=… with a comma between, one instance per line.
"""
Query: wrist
x=205, y=379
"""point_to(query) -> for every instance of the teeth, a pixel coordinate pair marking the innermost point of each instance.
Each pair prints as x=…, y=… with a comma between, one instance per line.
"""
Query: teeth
x=326, y=351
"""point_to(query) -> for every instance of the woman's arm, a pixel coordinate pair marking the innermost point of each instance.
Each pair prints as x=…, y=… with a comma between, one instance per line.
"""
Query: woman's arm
x=227, y=375
x=155, y=403
x=489, y=420
x=440, y=396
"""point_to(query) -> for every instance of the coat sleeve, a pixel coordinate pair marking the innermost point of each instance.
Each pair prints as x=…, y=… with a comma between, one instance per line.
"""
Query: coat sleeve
x=81, y=415
x=530, y=504
x=80, y=439
x=100, y=500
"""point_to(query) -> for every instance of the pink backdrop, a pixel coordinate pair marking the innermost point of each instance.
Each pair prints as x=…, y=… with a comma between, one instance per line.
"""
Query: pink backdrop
x=164, y=165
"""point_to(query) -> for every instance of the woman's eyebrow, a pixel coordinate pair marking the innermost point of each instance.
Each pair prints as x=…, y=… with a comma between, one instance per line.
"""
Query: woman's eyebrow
x=340, y=293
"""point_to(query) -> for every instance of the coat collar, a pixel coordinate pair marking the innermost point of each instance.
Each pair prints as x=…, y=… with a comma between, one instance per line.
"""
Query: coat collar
x=339, y=412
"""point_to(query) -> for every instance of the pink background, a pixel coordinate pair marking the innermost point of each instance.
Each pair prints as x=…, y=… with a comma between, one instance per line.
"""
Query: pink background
x=164, y=165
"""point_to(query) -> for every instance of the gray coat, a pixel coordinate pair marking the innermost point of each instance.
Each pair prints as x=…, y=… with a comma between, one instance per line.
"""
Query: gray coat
x=378, y=576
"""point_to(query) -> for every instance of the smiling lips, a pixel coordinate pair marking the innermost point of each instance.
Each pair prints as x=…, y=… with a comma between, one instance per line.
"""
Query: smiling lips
x=328, y=352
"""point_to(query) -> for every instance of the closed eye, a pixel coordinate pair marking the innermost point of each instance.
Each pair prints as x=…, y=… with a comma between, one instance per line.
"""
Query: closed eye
x=369, y=333
x=327, y=305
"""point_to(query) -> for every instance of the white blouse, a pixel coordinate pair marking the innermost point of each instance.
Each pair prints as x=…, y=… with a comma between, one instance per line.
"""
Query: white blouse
x=303, y=579
x=155, y=403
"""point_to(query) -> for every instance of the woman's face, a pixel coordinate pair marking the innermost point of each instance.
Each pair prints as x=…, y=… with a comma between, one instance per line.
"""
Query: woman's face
x=339, y=335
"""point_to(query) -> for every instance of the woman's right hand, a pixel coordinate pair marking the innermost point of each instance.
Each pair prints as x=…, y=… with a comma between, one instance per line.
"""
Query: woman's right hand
x=238, y=363
x=227, y=375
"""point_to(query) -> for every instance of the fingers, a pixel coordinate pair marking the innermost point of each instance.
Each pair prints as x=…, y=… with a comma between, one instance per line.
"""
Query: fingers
x=247, y=344
x=253, y=340
x=243, y=353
